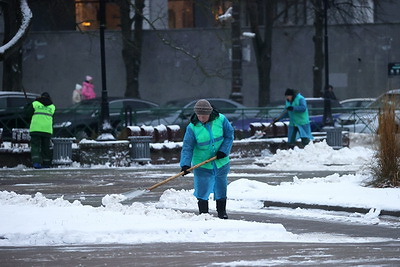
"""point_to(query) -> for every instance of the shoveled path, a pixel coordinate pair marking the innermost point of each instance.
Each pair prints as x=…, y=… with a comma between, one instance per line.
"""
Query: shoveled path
x=90, y=185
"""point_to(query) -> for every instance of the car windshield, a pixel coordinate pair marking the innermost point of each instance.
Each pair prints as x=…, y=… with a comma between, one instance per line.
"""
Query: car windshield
x=390, y=99
x=84, y=108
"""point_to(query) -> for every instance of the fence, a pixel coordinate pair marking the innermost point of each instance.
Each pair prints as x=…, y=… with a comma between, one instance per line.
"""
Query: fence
x=84, y=123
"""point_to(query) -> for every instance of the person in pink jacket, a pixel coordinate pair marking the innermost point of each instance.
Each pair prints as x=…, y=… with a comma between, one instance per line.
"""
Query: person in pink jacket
x=87, y=88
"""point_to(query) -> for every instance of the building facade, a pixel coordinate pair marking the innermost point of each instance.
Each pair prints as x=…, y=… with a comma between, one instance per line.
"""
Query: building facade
x=188, y=56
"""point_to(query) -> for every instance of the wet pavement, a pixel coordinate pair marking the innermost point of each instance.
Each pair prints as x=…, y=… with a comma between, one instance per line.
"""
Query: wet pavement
x=90, y=185
x=207, y=254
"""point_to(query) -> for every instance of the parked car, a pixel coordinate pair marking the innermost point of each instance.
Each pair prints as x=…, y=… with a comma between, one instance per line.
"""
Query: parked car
x=315, y=109
x=366, y=120
x=82, y=119
x=178, y=112
x=356, y=103
x=11, y=111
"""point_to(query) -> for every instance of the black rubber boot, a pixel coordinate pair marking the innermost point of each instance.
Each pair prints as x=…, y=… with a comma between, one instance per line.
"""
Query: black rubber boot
x=203, y=206
x=221, y=208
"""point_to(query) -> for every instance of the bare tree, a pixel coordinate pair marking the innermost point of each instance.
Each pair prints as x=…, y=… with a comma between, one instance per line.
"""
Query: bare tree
x=132, y=38
x=318, y=47
x=341, y=12
x=14, y=34
x=132, y=43
x=262, y=43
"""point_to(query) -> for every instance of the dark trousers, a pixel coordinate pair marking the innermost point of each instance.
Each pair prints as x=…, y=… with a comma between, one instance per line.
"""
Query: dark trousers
x=40, y=148
x=292, y=140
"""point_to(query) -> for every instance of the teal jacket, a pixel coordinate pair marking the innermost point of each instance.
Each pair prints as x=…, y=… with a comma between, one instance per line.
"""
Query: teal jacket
x=203, y=141
x=299, y=115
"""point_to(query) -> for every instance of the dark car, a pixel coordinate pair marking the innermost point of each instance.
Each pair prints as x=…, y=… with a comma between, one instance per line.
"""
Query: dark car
x=315, y=110
x=11, y=111
x=178, y=112
x=82, y=119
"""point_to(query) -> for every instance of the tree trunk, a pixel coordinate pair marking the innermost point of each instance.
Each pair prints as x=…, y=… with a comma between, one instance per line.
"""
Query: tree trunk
x=318, y=48
x=12, y=63
x=132, y=45
x=262, y=48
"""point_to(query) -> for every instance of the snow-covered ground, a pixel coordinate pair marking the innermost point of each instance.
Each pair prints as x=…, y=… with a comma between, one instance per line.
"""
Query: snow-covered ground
x=39, y=221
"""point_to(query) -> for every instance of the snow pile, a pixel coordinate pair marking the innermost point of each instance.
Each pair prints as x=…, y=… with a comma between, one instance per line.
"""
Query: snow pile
x=38, y=221
x=334, y=190
x=166, y=145
x=318, y=156
x=14, y=148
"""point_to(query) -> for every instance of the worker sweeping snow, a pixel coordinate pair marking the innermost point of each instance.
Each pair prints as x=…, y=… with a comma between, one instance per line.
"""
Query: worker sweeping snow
x=208, y=134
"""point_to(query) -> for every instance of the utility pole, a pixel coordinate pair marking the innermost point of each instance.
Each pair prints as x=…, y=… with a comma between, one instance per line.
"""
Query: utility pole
x=327, y=118
x=236, y=93
x=104, y=123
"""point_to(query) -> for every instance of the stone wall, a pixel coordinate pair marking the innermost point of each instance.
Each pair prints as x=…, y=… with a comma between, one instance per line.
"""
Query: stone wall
x=358, y=58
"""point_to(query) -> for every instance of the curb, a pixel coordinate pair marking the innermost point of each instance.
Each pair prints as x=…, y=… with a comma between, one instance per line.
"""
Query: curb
x=327, y=207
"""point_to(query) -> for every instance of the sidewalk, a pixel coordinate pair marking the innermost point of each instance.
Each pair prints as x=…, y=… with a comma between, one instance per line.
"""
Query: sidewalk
x=327, y=208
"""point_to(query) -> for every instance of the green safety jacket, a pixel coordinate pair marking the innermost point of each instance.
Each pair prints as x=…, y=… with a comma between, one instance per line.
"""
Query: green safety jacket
x=42, y=119
x=299, y=115
x=209, y=138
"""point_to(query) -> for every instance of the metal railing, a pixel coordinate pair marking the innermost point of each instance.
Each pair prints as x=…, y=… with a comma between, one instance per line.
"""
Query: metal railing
x=83, y=123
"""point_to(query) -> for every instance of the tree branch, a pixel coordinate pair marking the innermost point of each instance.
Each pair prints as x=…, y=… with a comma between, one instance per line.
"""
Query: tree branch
x=15, y=43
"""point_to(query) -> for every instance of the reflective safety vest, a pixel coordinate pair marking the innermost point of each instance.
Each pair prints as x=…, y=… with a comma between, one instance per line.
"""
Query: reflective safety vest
x=298, y=118
x=42, y=119
x=209, y=139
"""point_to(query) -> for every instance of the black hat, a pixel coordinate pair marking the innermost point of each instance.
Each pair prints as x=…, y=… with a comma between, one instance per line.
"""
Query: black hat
x=45, y=94
x=289, y=91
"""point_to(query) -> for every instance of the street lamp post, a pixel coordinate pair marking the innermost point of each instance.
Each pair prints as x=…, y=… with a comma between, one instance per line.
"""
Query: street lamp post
x=104, y=123
x=236, y=93
x=327, y=118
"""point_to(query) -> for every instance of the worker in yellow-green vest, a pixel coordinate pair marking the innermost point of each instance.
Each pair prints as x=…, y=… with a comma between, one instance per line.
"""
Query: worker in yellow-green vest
x=209, y=134
x=41, y=130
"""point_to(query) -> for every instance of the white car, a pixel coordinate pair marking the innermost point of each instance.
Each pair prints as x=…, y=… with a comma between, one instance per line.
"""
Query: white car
x=355, y=103
x=366, y=120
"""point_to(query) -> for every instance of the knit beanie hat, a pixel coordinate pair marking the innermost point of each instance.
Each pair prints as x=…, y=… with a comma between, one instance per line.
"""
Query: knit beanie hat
x=203, y=107
x=89, y=78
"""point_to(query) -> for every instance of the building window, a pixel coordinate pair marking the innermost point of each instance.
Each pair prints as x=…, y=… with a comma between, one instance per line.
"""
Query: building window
x=87, y=17
x=180, y=14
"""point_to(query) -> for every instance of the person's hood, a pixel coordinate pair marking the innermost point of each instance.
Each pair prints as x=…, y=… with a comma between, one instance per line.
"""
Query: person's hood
x=214, y=114
x=45, y=100
x=88, y=84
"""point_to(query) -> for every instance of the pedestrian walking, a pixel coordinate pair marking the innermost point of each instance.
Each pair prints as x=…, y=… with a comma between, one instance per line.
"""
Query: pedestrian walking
x=208, y=134
x=77, y=94
x=41, y=129
x=88, y=88
x=330, y=94
x=299, y=125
